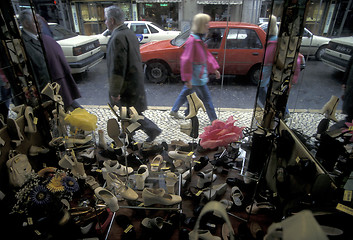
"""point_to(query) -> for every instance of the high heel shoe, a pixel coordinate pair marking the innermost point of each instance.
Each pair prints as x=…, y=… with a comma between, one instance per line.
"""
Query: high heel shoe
x=194, y=104
x=108, y=197
x=113, y=130
x=191, y=128
x=31, y=120
x=329, y=109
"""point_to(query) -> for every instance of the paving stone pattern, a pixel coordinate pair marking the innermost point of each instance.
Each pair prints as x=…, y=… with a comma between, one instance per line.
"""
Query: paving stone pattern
x=304, y=121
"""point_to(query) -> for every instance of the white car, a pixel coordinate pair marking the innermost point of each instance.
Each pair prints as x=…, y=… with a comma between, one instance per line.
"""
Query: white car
x=338, y=53
x=311, y=45
x=81, y=52
x=145, y=32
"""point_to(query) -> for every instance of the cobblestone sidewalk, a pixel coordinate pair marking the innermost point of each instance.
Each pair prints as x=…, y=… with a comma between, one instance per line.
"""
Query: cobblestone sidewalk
x=304, y=121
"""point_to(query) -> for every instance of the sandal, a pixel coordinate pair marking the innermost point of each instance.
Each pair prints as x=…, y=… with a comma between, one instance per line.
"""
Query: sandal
x=237, y=196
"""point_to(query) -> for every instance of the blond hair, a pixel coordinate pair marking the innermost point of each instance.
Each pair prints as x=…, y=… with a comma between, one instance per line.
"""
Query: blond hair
x=272, y=26
x=199, y=23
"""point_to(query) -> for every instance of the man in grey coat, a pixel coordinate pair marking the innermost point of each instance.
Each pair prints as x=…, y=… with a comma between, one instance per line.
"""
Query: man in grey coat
x=125, y=73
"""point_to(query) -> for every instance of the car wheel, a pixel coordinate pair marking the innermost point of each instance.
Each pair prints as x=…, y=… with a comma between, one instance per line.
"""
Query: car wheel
x=320, y=52
x=254, y=74
x=156, y=72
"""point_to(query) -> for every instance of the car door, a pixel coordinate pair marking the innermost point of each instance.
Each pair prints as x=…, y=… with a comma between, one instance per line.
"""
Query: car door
x=142, y=32
x=243, y=49
x=214, y=40
x=307, y=47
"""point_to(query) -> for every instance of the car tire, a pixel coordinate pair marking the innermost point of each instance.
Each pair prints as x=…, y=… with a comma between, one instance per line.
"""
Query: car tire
x=156, y=72
x=254, y=74
x=320, y=52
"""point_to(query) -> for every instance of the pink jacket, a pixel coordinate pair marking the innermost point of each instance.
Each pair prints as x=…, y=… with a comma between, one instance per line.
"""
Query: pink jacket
x=195, y=51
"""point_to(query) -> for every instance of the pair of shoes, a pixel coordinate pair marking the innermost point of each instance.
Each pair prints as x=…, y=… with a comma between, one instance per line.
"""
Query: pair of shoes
x=119, y=188
x=140, y=177
x=195, y=104
x=192, y=128
x=159, y=196
x=176, y=115
x=108, y=197
x=205, y=178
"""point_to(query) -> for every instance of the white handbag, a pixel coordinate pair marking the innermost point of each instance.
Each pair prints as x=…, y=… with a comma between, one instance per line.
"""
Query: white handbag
x=19, y=169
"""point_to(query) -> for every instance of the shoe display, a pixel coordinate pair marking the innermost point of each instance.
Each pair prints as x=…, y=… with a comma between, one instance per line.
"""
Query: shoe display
x=140, y=177
x=205, y=178
x=158, y=196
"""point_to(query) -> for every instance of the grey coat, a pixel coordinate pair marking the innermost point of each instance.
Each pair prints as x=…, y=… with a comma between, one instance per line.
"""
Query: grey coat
x=125, y=73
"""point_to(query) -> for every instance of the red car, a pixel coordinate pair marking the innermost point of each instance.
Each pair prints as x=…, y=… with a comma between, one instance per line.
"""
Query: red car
x=242, y=51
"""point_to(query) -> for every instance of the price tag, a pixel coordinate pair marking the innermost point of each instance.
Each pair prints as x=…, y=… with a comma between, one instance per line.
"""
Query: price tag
x=347, y=196
x=190, y=154
x=37, y=232
x=35, y=121
x=297, y=159
x=154, y=164
x=197, y=162
x=198, y=193
x=344, y=209
x=128, y=228
x=350, y=128
x=165, y=168
x=136, y=143
x=30, y=221
x=141, y=205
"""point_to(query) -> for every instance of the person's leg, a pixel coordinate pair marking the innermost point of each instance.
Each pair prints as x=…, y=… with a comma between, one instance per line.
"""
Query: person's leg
x=181, y=99
x=150, y=128
x=204, y=94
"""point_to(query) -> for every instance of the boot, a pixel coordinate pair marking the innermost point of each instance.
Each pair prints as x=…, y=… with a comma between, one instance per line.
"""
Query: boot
x=194, y=104
x=192, y=128
x=329, y=109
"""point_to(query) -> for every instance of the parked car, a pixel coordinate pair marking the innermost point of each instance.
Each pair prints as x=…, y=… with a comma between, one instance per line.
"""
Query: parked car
x=145, y=32
x=311, y=45
x=338, y=53
x=243, y=56
x=81, y=52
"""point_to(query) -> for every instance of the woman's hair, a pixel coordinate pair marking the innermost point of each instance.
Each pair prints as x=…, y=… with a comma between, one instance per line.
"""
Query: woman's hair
x=272, y=26
x=116, y=13
x=199, y=23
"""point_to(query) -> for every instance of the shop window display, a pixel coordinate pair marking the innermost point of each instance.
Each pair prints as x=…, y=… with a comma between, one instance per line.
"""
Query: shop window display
x=103, y=169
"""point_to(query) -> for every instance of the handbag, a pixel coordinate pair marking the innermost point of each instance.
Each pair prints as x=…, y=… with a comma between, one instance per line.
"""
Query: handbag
x=218, y=209
x=19, y=169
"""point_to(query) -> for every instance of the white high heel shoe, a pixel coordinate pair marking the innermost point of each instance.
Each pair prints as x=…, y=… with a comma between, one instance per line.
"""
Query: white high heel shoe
x=205, y=178
x=329, y=109
x=140, y=176
x=116, y=167
x=119, y=188
x=31, y=120
x=108, y=197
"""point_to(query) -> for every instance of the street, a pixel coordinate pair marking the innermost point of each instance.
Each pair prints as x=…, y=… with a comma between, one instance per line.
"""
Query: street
x=317, y=82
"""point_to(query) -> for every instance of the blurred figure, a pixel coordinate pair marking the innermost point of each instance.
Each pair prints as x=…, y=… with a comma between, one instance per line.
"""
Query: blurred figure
x=5, y=96
x=125, y=73
x=196, y=62
x=59, y=68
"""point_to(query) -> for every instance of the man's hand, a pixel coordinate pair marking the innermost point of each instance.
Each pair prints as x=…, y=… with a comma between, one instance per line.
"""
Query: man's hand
x=188, y=84
x=218, y=75
x=115, y=99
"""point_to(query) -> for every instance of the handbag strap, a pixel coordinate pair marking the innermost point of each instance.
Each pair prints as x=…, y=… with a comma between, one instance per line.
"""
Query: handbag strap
x=214, y=206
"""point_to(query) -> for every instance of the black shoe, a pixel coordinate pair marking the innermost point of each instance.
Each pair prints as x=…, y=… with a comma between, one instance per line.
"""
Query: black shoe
x=201, y=163
x=129, y=232
x=150, y=149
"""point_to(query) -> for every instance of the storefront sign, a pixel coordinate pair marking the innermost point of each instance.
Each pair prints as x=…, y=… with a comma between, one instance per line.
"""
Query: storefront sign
x=74, y=17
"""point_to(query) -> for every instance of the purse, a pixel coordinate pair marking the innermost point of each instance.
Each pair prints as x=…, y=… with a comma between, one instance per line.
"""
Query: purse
x=19, y=169
x=219, y=210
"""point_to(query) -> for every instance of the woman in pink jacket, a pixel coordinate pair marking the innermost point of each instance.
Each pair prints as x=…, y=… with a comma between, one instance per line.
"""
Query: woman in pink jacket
x=196, y=63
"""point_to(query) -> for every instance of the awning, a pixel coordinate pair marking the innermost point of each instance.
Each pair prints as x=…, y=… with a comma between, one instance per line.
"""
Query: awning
x=220, y=2
x=157, y=1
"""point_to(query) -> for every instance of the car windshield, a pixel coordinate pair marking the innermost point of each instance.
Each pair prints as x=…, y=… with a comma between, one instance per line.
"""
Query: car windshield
x=181, y=38
x=60, y=33
x=158, y=26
